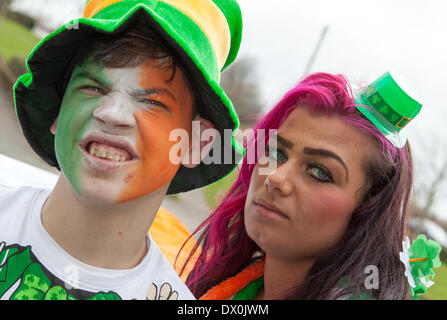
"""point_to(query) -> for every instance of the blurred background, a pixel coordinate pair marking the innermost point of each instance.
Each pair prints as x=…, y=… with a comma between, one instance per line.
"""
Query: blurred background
x=282, y=42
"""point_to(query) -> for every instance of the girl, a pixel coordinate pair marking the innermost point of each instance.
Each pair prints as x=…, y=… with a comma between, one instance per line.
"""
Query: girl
x=329, y=222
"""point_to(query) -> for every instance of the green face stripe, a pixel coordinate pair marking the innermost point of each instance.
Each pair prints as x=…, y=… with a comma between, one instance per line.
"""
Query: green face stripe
x=75, y=118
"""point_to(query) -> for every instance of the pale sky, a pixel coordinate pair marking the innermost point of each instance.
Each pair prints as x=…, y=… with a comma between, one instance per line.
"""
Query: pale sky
x=365, y=39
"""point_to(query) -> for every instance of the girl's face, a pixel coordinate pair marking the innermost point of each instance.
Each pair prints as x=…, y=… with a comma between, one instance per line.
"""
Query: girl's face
x=302, y=209
x=112, y=138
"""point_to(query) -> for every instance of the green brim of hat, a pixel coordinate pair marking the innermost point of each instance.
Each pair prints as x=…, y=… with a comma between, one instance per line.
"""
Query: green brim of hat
x=39, y=93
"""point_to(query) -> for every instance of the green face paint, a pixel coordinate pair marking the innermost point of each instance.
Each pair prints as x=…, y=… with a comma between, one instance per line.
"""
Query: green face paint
x=75, y=117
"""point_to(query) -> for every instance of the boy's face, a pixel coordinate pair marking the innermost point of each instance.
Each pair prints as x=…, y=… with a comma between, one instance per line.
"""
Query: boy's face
x=112, y=138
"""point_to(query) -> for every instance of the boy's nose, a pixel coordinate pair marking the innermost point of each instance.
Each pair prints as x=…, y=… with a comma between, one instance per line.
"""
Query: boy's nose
x=115, y=112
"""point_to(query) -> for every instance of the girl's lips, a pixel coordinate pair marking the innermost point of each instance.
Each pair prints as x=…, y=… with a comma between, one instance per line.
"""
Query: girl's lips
x=269, y=210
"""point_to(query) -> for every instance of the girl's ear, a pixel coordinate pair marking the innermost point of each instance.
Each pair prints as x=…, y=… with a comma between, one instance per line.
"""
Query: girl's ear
x=54, y=126
x=205, y=146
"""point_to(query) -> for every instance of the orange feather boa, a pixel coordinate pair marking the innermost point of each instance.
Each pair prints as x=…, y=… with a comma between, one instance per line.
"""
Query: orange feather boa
x=233, y=285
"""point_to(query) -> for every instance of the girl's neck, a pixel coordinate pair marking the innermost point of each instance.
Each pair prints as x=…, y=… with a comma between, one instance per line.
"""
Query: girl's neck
x=282, y=277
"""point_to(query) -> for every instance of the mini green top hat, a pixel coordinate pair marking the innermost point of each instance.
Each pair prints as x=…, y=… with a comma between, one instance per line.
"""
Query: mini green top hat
x=203, y=35
x=388, y=107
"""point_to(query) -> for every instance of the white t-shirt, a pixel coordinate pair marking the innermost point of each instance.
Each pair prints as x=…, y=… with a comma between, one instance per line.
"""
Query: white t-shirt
x=34, y=267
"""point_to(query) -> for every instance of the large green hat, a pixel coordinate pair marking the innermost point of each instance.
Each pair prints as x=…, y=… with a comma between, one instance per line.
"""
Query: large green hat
x=389, y=107
x=202, y=35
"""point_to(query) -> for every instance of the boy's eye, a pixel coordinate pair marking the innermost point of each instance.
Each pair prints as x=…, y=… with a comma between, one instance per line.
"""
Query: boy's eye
x=93, y=90
x=320, y=174
x=153, y=103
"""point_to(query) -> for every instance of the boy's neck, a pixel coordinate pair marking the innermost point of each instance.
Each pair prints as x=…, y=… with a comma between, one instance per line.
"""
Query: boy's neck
x=111, y=236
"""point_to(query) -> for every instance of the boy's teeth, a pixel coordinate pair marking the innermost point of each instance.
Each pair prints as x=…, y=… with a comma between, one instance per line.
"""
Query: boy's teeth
x=102, y=153
x=105, y=154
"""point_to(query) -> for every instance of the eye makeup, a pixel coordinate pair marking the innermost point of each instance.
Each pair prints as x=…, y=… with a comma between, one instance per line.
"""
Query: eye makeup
x=315, y=170
x=327, y=154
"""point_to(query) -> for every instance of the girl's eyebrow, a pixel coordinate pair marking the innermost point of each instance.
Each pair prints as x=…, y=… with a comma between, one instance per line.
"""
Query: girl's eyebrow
x=327, y=154
x=286, y=143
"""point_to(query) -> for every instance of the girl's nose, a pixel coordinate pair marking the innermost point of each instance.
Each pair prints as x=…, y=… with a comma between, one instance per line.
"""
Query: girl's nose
x=279, y=180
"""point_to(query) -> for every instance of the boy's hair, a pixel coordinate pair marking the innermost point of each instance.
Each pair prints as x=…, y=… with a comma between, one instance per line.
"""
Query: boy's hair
x=129, y=49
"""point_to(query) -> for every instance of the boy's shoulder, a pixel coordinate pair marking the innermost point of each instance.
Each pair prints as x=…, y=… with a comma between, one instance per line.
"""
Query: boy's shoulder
x=5, y=189
x=17, y=209
x=165, y=280
x=9, y=192
x=14, y=199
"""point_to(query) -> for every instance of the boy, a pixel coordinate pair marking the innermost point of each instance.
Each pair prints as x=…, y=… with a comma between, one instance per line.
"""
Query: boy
x=100, y=102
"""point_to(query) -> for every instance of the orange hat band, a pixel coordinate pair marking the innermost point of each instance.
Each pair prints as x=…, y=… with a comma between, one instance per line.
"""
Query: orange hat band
x=94, y=6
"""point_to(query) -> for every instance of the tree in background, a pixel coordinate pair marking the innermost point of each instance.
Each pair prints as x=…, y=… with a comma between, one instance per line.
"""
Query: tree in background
x=239, y=82
x=430, y=187
x=430, y=184
x=4, y=6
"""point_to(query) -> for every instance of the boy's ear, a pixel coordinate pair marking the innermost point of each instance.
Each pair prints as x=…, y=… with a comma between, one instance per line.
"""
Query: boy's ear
x=54, y=127
x=204, y=147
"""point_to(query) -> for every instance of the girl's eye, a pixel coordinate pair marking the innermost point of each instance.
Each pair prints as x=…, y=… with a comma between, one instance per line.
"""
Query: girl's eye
x=276, y=154
x=320, y=174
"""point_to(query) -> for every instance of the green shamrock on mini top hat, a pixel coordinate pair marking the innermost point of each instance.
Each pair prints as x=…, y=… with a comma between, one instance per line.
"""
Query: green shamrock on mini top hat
x=388, y=107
